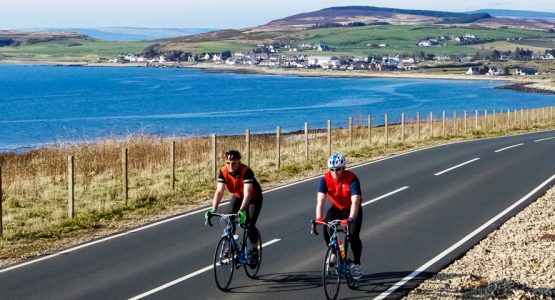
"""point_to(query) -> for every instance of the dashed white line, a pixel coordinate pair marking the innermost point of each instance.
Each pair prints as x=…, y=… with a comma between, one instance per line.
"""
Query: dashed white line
x=459, y=243
x=503, y=149
x=383, y=196
x=188, y=276
x=457, y=166
x=541, y=140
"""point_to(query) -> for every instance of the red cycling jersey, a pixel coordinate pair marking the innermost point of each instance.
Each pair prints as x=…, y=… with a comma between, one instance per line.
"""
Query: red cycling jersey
x=339, y=190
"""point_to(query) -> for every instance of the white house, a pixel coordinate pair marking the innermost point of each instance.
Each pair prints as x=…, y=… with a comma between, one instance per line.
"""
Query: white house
x=473, y=71
x=495, y=72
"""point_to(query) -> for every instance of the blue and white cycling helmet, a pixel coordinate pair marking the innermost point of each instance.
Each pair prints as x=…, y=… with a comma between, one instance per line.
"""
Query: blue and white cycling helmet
x=337, y=161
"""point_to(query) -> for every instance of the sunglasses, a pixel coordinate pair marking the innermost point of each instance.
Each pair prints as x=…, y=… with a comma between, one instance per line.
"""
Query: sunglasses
x=335, y=169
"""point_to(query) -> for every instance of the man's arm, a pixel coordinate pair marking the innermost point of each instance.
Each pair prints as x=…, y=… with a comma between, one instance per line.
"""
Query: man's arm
x=320, y=200
x=218, y=195
x=247, y=194
x=355, y=204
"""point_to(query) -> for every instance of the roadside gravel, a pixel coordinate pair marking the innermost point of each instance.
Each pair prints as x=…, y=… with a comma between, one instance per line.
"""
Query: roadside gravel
x=516, y=261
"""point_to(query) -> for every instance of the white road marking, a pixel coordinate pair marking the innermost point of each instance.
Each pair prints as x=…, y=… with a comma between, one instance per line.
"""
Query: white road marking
x=384, y=196
x=457, y=166
x=541, y=140
x=503, y=149
x=462, y=241
x=188, y=276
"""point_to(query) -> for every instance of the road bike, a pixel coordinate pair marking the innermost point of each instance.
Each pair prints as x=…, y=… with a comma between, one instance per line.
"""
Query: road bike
x=231, y=253
x=338, y=260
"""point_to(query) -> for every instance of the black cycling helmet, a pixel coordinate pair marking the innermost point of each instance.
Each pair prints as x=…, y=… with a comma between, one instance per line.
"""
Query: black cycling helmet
x=232, y=155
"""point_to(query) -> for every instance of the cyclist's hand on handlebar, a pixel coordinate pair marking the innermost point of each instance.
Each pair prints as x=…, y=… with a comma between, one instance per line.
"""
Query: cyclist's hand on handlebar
x=320, y=220
x=207, y=213
x=242, y=217
x=345, y=222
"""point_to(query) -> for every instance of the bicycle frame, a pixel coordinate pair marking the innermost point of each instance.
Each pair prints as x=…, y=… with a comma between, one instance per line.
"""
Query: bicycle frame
x=333, y=272
x=334, y=229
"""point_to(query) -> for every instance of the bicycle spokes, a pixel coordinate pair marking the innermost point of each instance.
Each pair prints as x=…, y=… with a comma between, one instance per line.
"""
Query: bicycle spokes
x=224, y=263
x=332, y=273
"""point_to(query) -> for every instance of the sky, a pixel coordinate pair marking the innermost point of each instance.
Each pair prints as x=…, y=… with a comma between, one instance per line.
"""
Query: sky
x=217, y=14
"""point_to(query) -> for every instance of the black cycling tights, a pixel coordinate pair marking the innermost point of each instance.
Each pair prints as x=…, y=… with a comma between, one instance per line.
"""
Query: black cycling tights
x=253, y=210
x=335, y=213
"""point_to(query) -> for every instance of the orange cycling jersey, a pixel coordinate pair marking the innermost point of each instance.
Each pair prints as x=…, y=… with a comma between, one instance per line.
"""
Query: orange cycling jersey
x=235, y=182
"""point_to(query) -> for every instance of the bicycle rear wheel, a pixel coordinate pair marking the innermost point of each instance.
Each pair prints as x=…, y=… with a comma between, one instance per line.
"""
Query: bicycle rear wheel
x=331, y=277
x=253, y=264
x=224, y=263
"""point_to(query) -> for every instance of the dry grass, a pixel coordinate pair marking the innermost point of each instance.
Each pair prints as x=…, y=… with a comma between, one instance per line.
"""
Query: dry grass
x=35, y=192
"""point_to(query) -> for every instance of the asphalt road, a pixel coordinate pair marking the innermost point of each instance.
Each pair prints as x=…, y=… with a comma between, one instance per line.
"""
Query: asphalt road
x=422, y=210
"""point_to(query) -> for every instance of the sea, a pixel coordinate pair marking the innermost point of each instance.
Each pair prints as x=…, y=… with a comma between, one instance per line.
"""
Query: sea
x=52, y=105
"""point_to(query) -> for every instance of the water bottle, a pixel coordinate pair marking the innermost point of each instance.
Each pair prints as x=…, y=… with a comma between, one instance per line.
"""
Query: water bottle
x=342, y=250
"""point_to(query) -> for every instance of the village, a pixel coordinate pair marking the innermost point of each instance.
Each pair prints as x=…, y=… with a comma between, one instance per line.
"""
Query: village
x=284, y=55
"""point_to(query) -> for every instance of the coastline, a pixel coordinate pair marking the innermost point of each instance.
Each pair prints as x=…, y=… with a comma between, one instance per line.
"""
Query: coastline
x=517, y=83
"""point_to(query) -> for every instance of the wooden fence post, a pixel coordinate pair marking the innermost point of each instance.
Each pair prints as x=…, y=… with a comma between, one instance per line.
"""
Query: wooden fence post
x=465, y=123
x=485, y=120
x=248, y=146
x=329, y=137
x=124, y=169
x=402, y=127
x=494, y=122
x=350, y=132
x=172, y=165
x=386, y=131
x=306, y=140
x=369, y=130
x=508, y=119
x=70, y=187
x=278, y=148
x=527, y=117
x=443, y=125
x=214, y=158
x=476, y=121
x=418, y=124
x=431, y=124
x=454, y=122
x=1, y=221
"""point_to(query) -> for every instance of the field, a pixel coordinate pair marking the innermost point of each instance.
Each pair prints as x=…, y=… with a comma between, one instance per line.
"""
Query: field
x=404, y=39
x=72, y=50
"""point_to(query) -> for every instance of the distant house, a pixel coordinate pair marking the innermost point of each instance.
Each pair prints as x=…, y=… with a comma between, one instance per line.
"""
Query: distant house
x=493, y=71
x=383, y=45
x=473, y=71
x=527, y=71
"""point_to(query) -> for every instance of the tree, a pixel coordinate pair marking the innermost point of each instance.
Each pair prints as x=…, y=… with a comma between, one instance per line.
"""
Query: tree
x=152, y=51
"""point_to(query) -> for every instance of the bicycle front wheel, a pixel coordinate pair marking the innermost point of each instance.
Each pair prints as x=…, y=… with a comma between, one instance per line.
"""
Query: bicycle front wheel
x=224, y=263
x=331, y=277
x=254, y=255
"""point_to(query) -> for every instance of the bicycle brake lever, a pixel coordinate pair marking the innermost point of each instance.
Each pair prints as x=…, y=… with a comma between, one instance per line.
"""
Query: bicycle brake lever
x=313, y=231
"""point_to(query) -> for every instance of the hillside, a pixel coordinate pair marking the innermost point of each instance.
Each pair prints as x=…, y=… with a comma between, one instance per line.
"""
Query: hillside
x=127, y=33
x=370, y=15
x=17, y=38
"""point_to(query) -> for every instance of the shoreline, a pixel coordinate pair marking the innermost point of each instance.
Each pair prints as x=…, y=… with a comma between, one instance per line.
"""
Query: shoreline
x=521, y=84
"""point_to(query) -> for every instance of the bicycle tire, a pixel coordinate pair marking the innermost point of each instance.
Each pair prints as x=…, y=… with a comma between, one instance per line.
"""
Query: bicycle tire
x=331, y=275
x=224, y=263
x=252, y=268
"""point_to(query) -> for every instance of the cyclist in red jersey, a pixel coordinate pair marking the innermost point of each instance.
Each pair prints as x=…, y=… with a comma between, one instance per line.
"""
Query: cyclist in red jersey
x=246, y=193
x=343, y=189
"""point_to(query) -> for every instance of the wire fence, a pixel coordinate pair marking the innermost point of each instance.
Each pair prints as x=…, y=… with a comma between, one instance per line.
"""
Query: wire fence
x=38, y=191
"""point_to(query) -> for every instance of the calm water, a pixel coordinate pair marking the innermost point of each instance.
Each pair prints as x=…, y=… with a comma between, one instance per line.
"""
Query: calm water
x=45, y=104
